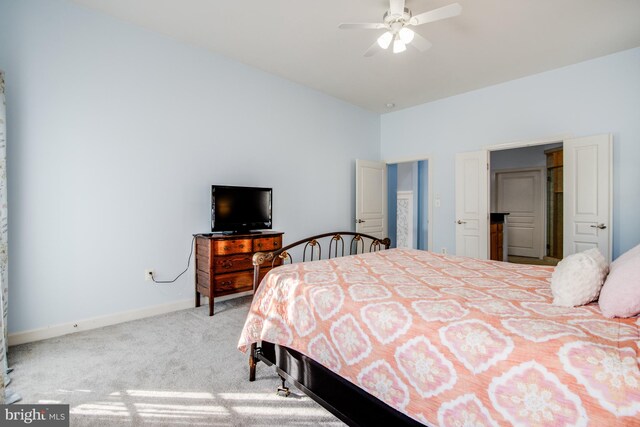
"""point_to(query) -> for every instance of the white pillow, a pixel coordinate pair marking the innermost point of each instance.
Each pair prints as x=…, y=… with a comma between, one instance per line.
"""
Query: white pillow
x=578, y=278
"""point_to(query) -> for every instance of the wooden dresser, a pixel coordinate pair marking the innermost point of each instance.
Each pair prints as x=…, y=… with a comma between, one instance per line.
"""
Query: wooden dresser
x=497, y=241
x=224, y=262
x=498, y=235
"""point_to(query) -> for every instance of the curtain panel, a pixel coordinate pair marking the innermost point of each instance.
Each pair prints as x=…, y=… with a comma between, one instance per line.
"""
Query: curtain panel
x=6, y=395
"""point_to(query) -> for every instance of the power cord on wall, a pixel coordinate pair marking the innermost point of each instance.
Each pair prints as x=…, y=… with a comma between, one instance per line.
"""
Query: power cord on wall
x=185, y=270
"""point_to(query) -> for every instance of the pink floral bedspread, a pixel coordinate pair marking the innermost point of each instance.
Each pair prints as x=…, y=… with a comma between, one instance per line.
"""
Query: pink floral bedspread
x=454, y=341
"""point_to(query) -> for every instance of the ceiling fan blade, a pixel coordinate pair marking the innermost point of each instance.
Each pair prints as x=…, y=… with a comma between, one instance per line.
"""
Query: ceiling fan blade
x=396, y=7
x=373, y=49
x=362, y=26
x=420, y=42
x=436, y=14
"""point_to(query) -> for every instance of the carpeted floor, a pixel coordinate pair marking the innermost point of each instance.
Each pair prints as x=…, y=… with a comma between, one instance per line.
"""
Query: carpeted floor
x=533, y=261
x=181, y=368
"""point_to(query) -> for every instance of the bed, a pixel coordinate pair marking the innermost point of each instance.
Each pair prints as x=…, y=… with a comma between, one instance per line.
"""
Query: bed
x=402, y=336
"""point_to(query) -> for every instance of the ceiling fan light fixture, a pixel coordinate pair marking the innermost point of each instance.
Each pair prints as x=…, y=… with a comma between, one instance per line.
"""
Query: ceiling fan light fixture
x=385, y=40
x=399, y=46
x=406, y=35
x=396, y=21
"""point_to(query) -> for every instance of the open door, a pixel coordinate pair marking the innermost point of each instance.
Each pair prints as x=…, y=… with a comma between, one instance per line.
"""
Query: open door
x=472, y=204
x=371, y=198
x=587, y=194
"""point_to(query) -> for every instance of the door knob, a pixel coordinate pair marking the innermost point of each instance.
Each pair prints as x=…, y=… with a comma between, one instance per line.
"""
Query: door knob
x=461, y=221
x=360, y=221
x=599, y=226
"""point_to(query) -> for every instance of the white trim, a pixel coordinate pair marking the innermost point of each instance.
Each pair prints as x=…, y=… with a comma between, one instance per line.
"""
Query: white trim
x=110, y=319
x=406, y=159
x=531, y=143
x=430, y=194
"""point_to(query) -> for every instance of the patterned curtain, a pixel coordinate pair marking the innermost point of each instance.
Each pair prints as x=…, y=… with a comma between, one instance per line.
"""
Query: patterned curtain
x=6, y=395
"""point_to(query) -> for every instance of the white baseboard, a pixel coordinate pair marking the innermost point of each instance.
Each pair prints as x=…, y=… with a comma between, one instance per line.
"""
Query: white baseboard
x=110, y=319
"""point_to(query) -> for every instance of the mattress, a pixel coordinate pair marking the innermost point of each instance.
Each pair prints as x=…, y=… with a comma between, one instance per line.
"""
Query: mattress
x=454, y=341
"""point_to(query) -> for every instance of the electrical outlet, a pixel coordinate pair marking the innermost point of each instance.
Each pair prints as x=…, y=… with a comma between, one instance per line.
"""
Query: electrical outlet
x=444, y=250
x=148, y=275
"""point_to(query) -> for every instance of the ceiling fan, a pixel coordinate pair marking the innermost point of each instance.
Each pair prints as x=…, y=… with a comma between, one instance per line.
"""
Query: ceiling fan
x=397, y=21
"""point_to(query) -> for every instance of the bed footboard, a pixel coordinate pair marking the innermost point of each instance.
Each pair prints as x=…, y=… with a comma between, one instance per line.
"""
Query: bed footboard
x=337, y=244
x=311, y=248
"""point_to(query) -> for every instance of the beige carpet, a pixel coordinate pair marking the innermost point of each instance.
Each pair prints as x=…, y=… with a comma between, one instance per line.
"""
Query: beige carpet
x=176, y=369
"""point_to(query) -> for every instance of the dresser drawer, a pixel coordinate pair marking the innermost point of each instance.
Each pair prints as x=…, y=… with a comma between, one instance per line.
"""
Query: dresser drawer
x=267, y=244
x=233, y=282
x=227, y=264
x=229, y=247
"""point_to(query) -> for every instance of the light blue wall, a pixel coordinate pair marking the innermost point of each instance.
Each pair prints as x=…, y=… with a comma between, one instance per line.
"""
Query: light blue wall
x=116, y=133
x=521, y=157
x=405, y=176
x=593, y=97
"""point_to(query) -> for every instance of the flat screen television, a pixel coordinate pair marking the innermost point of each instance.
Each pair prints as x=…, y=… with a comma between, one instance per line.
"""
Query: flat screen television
x=240, y=209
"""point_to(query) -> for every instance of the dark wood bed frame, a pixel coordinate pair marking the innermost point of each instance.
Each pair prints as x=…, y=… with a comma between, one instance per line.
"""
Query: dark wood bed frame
x=342, y=398
x=347, y=402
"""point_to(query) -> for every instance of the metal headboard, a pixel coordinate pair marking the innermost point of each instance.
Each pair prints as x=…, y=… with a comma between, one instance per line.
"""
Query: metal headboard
x=312, y=249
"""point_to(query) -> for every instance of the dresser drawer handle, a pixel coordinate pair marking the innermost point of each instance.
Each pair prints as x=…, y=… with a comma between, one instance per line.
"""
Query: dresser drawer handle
x=226, y=283
x=225, y=248
x=227, y=264
x=241, y=246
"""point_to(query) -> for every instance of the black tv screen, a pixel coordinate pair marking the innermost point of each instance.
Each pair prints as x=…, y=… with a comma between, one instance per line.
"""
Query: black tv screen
x=235, y=209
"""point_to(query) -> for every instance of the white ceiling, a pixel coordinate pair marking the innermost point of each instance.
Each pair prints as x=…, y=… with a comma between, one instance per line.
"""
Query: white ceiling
x=491, y=42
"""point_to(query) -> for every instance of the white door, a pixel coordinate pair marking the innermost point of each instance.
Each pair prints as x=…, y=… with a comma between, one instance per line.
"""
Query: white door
x=520, y=194
x=371, y=198
x=587, y=194
x=472, y=204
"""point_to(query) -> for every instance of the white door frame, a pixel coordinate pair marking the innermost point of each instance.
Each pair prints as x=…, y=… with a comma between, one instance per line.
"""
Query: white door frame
x=543, y=199
x=429, y=191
